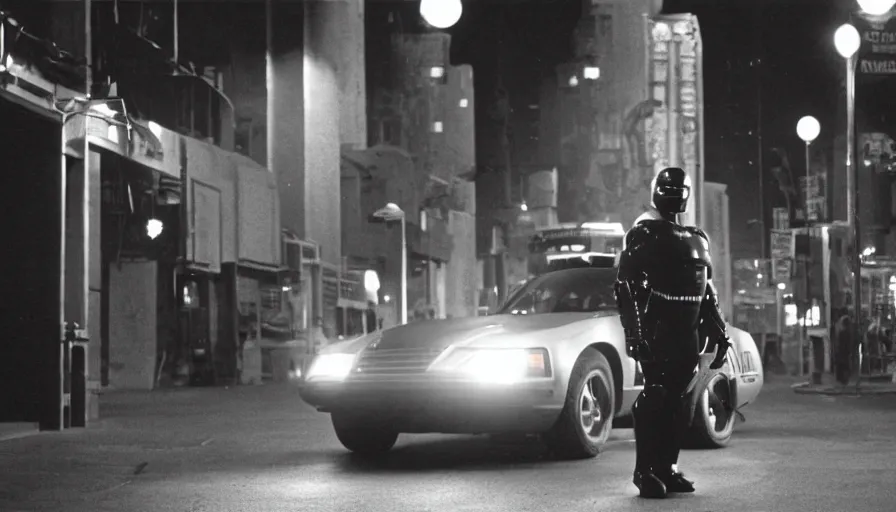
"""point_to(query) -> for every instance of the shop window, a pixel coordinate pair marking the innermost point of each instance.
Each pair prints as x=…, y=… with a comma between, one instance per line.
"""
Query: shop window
x=191, y=299
x=438, y=75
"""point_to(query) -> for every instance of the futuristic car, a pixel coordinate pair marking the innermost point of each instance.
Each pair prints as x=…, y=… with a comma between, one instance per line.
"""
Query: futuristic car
x=551, y=361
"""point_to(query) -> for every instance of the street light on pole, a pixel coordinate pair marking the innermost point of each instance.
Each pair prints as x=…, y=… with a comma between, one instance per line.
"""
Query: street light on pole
x=847, y=41
x=390, y=213
x=876, y=7
x=807, y=128
x=441, y=14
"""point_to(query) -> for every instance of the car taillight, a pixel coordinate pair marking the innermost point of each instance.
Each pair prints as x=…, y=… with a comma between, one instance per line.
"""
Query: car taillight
x=539, y=364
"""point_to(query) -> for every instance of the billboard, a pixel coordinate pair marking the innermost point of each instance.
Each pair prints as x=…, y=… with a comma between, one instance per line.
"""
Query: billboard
x=675, y=131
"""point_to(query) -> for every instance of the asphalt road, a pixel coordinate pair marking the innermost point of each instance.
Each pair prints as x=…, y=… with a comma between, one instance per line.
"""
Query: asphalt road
x=259, y=449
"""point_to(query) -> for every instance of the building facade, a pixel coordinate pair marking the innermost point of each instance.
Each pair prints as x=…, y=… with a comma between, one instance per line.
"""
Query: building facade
x=421, y=110
x=607, y=136
x=175, y=263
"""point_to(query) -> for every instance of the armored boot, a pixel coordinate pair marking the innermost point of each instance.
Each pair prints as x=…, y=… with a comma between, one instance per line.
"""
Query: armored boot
x=678, y=411
x=647, y=415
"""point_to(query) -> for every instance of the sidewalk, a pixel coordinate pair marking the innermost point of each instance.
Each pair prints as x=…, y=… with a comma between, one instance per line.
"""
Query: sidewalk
x=9, y=431
x=145, y=436
x=180, y=411
x=829, y=386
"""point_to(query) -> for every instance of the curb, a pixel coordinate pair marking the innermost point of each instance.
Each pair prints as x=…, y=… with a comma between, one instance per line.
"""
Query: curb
x=19, y=433
x=850, y=390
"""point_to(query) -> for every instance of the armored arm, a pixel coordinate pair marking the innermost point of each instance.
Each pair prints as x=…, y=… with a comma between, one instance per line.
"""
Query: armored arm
x=712, y=323
x=632, y=289
x=711, y=314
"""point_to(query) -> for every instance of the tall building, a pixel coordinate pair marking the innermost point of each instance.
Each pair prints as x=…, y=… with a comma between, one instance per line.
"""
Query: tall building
x=420, y=116
x=170, y=256
x=614, y=114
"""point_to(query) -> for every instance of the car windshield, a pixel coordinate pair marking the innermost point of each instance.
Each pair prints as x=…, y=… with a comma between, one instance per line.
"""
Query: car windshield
x=564, y=291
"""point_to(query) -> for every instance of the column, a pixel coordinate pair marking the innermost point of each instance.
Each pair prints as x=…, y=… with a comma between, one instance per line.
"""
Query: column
x=286, y=109
x=323, y=48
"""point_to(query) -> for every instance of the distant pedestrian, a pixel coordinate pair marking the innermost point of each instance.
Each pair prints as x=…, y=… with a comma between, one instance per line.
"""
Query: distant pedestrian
x=844, y=342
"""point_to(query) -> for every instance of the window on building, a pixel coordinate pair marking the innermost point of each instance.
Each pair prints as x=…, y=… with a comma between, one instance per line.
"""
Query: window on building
x=423, y=220
x=437, y=127
x=464, y=103
x=390, y=132
x=437, y=74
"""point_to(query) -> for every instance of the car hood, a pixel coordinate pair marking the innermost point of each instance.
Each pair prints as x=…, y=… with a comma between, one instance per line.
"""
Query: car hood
x=439, y=334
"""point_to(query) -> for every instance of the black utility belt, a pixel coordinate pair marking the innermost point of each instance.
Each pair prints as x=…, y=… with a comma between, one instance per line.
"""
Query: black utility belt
x=677, y=298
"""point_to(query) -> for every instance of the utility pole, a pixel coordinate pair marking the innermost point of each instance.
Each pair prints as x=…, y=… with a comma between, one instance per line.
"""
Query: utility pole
x=759, y=75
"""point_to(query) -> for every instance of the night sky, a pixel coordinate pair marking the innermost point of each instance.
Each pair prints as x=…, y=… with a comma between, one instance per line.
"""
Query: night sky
x=793, y=40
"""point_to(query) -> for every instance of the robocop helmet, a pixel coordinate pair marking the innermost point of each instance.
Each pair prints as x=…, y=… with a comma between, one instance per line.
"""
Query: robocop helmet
x=671, y=190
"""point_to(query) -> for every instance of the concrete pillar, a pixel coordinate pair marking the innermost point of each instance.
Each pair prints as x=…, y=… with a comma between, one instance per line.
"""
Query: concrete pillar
x=94, y=265
x=323, y=23
x=285, y=108
x=77, y=232
x=349, y=53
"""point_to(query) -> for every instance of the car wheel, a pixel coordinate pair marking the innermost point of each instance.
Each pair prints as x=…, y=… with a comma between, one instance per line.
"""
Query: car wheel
x=714, y=418
x=361, y=437
x=587, y=417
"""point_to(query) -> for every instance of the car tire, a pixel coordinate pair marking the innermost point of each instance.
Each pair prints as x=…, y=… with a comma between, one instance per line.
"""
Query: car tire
x=361, y=437
x=590, y=385
x=713, y=425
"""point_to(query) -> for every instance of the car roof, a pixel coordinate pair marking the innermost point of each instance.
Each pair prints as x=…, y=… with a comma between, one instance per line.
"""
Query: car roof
x=581, y=270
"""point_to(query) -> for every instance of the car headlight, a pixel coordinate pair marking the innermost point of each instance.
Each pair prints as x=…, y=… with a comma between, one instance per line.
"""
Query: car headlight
x=331, y=367
x=495, y=366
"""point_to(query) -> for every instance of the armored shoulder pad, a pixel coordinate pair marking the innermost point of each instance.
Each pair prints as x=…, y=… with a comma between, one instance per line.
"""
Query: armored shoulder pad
x=637, y=235
x=699, y=232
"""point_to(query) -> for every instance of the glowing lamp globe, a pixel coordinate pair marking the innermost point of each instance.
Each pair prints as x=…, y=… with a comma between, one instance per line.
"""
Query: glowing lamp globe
x=876, y=7
x=154, y=228
x=808, y=128
x=847, y=40
x=441, y=13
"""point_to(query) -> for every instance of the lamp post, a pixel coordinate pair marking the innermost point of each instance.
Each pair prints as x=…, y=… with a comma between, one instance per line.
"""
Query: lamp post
x=390, y=213
x=847, y=42
x=807, y=128
x=441, y=14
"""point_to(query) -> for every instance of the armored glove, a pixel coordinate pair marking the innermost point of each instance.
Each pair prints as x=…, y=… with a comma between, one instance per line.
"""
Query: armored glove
x=722, y=346
x=637, y=349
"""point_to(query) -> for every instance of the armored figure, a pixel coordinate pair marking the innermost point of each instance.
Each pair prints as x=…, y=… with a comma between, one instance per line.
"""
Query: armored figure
x=669, y=309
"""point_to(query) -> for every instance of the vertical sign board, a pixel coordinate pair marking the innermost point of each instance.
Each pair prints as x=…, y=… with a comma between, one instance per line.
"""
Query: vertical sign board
x=782, y=255
x=877, y=53
x=780, y=218
x=676, y=129
x=812, y=190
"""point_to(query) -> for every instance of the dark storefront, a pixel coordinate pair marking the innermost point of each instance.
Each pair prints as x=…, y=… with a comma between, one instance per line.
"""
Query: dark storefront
x=30, y=376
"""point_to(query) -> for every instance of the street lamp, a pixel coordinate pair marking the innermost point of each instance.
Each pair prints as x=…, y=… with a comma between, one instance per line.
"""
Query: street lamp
x=441, y=13
x=390, y=213
x=154, y=228
x=808, y=129
x=876, y=7
x=847, y=41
